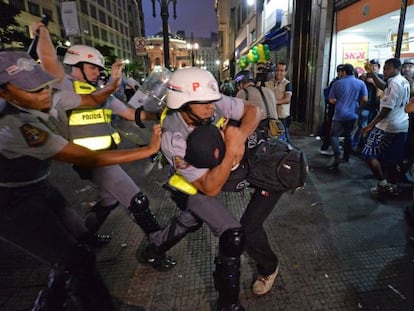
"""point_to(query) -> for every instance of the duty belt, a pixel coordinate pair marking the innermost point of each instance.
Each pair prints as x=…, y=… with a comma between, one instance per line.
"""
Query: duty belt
x=19, y=184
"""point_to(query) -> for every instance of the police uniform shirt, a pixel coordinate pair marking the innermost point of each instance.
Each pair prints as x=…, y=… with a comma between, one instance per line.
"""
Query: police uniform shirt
x=175, y=132
x=24, y=132
x=69, y=100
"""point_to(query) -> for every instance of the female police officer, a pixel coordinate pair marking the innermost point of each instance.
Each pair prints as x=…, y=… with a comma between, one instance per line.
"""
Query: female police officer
x=33, y=215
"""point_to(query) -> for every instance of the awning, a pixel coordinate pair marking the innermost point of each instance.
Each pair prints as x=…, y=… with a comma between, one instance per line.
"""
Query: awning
x=278, y=37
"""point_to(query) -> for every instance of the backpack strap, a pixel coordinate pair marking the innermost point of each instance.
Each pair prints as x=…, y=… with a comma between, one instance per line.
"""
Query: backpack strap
x=246, y=94
x=264, y=101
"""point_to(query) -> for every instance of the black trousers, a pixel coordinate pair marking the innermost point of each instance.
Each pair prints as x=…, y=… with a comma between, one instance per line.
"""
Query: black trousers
x=37, y=220
x=257, y=244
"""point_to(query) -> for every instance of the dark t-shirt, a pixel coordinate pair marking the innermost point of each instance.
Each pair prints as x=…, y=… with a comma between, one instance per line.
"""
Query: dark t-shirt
x=373, y=100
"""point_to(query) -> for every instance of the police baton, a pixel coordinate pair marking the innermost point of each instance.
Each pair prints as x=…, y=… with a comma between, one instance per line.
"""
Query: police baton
x=33, y=46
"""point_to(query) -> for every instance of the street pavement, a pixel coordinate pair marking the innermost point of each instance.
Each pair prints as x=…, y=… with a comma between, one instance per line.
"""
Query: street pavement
x=339, y=247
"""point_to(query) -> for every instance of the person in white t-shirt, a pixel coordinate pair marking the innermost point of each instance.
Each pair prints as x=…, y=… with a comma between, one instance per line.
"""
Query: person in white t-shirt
x=384, y=147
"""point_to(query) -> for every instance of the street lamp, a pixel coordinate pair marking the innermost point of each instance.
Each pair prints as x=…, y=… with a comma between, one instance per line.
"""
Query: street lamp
x=164, y=15
x=192, y=47
x=126, y=62
x=218, y=69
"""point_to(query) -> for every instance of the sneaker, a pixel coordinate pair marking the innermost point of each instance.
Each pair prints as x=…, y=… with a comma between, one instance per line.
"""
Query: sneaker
x=161, y=262
x=264, y=284
x=387, y=189
x=326, y=152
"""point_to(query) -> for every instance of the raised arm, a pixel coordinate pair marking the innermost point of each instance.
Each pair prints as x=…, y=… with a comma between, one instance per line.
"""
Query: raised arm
x=81, y=156
x=46, y=51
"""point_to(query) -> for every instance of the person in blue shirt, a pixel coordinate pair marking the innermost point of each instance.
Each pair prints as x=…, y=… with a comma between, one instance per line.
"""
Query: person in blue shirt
x=348, y=95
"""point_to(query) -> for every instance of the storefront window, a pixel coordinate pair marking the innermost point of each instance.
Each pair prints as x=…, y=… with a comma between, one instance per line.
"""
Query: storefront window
x=376, y=38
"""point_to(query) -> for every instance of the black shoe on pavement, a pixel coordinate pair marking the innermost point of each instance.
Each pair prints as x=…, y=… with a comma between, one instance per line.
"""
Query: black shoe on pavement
x=99, y=240
x=159, y=262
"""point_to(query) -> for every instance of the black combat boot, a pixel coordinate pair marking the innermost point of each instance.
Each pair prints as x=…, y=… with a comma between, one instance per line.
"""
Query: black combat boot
x=93, y=220
x=166, y=238
x=146, y=220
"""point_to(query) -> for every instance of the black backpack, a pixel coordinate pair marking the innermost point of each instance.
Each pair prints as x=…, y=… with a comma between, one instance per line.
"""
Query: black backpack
x=276, y=165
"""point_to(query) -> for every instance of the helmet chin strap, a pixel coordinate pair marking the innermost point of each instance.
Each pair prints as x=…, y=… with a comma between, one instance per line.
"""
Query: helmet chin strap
x=197, y=121
x=80, y=66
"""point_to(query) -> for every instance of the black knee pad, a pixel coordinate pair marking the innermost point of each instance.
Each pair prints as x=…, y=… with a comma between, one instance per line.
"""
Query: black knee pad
x=139, y=203
x=231, y=243
x=142, y=215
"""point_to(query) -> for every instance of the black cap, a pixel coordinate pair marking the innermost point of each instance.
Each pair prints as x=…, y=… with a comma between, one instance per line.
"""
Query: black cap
x=205, y=147
x=339, y=67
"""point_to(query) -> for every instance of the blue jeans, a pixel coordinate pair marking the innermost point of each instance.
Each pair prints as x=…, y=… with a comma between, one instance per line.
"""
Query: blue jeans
x=342, y=128
x=365, y=116
x=285, y=136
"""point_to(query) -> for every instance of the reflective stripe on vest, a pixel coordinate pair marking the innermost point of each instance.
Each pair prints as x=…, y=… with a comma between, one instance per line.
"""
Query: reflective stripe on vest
x=91, y=128
x=178, y=181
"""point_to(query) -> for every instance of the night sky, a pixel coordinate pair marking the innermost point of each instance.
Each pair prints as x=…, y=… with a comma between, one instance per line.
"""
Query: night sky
x=194, y=16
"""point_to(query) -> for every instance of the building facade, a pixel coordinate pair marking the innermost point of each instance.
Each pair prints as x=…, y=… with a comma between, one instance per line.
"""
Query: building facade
x=200, y=52
x=110, y=23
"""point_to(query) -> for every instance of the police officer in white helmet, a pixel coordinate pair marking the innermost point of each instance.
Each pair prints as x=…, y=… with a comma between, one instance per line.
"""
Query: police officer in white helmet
x=91, y=128
x=195, y=103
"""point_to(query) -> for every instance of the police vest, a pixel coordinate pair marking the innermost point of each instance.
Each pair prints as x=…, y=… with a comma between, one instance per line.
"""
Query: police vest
x=91, y=128
x=178, y=181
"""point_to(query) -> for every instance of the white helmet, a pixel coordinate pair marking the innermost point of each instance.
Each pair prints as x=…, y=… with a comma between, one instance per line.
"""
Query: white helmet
x=191, y=84
x=83, y=54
